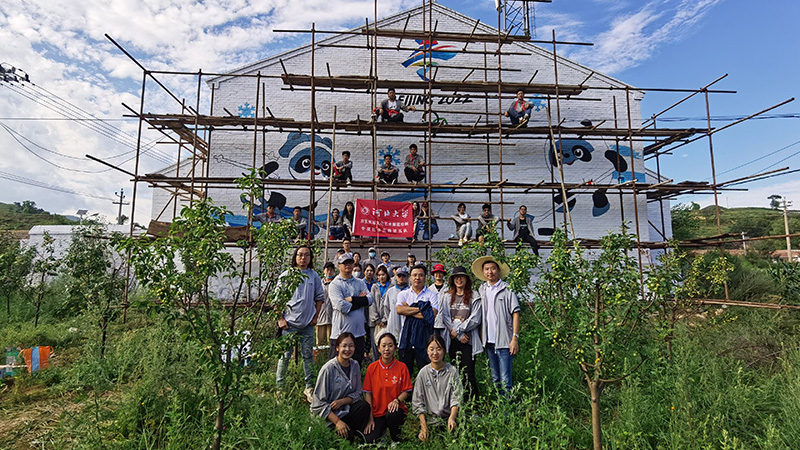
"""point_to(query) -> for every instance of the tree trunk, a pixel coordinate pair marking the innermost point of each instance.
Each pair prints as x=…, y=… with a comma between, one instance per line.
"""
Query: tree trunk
x=595, y=390
x=36, y=317
x=218, y=426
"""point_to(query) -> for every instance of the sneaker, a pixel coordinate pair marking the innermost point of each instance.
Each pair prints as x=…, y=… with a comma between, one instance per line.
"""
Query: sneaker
x=309, y=394
x=394, y=181
x=349, y=182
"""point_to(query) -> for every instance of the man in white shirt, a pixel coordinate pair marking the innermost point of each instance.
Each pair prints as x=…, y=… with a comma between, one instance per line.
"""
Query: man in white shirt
x=417, y=308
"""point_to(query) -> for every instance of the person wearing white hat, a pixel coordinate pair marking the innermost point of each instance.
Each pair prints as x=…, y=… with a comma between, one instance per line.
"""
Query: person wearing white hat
x=500, y=321
x=350, y=300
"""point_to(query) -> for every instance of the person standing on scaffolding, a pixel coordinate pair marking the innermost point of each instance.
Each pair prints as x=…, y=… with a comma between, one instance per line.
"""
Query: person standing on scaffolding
x=414, y=165
x=390, y=108
x=520, y=111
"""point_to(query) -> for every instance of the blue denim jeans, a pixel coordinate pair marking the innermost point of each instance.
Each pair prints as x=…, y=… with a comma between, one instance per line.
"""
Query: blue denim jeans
x=306, y=351
x=500, y=361
x=423, y=226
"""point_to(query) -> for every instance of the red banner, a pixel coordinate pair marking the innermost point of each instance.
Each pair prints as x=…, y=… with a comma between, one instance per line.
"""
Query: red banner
x=383, y=219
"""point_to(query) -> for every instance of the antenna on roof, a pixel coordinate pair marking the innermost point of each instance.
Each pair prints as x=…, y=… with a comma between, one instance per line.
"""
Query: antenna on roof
x=517, y=16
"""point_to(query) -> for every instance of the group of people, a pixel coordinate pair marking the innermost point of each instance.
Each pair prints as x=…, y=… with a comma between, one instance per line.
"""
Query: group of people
x=409, y=328
x=388, y=172
x=391, y=109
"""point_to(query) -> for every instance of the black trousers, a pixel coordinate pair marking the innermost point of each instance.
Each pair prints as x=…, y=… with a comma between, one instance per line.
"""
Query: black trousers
x=525, y=236
x=358, y=355
x=409, y=355
x=392, y=421
x=412, y=175
x=357, y=418
x=395, y=118
x=388, y=178
x=461, y=357
x=345, y=175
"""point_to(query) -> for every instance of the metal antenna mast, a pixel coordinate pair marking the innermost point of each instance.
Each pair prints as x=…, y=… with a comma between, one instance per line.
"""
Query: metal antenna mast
x=517, y=16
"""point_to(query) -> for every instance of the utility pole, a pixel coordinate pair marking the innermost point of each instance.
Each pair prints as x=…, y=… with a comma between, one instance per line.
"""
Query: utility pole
x=744, y=241
x=786, y=230
x=121, y=196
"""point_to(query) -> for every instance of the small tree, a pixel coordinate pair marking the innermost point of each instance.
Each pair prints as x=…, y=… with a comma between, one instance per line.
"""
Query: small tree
x=592, y=311
x=15, y=265
x=675, y=283
x=94, y=282
x=45, y=267
x=180, y=270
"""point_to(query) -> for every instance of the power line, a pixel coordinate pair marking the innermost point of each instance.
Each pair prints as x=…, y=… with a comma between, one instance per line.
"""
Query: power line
x=762, y=157
x=39, y=184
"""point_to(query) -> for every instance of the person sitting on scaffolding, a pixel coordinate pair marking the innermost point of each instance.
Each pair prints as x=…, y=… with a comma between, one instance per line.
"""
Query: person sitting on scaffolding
x=486, y=222
x=300, y=222
x=463, y=225
x=426, y=222
x=522, y=226
x=270, y=216
x=414, y=165
x=342, y=170
x=388, y=172
x=520, y=111
x=390, y=109
x=336, y=228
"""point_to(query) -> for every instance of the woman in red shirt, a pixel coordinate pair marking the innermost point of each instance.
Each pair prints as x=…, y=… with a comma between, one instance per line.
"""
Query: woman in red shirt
x=387, y=385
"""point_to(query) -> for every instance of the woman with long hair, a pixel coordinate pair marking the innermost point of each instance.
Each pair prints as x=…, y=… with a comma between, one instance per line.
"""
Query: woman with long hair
x=460, y=316
x=337, y=396
x=348, y=216
x=437, y=391
x=387, y=386
x=376, y=321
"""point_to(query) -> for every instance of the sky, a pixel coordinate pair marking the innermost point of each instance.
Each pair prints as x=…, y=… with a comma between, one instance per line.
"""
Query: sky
x=78, y=77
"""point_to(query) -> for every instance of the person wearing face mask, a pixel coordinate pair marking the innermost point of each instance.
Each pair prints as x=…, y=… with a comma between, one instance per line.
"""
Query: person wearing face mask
x=388, y=311
x=357, y=272
x=372, y=258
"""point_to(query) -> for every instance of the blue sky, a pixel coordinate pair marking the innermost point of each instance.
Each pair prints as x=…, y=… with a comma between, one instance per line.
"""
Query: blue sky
x=661, y=43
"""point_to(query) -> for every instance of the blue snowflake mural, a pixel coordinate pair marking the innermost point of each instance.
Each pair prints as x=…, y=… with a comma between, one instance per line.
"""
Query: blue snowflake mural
x=390, y=150
x=247, y=110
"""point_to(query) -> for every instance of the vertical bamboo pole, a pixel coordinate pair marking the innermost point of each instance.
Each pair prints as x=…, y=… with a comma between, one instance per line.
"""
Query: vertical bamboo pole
x=313, y=136
x=714, y=178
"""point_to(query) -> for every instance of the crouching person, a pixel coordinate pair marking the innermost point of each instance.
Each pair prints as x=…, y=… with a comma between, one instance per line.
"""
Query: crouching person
x=437, y=391
x=337, y=395
x=387, y=386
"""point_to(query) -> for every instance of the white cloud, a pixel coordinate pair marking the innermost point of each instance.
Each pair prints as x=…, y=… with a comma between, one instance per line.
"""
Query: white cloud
x=634, y=36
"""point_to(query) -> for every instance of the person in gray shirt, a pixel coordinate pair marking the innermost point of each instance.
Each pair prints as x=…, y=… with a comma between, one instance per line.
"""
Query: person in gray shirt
x=437, y=390
x=414, y=165
x=337, y=395
x=300, y=316
x=349, y=299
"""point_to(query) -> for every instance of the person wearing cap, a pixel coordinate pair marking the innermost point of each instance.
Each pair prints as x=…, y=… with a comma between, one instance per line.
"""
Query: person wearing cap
x=460, y=317
x=389, y=310
x=350, y=300
x=372, y=258
x=522, y=226
x=324, y=318
x=411, y=260
x=300, y=317
x=438, y=273
x=417, y=308
x=438, y=286
x=500, y=321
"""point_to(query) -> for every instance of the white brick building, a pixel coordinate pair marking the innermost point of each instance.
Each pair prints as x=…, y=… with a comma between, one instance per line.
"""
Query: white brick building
x=594, y=211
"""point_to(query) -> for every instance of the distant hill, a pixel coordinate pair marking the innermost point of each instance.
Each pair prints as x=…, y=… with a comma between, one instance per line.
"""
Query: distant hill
x=691, y=221
x=23, y=216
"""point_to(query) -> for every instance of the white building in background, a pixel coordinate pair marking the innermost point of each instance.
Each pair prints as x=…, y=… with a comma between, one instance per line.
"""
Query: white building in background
x=594, y=212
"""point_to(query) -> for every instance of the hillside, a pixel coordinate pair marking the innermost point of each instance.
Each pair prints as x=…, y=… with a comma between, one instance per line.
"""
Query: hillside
x=23, y=216
x=691, y=221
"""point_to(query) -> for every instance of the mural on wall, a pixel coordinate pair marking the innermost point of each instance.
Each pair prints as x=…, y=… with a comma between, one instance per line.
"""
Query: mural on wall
x=297, y=149
x=397, y=158
x=247, y=110
x=424, y=55
x=579, y=151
